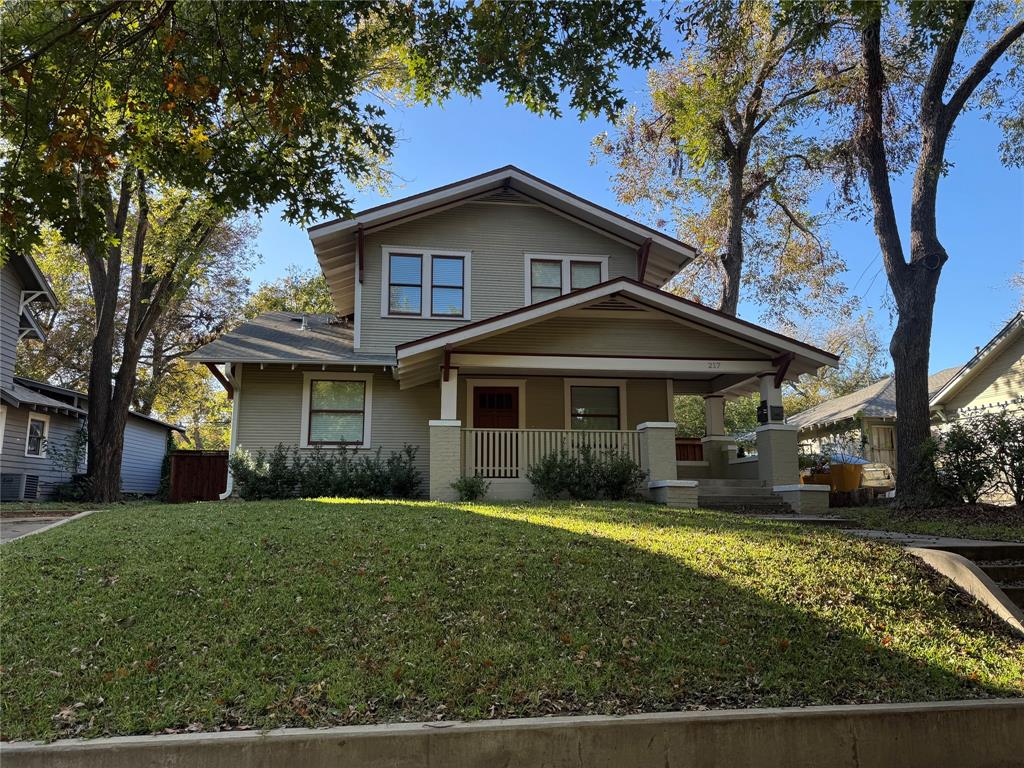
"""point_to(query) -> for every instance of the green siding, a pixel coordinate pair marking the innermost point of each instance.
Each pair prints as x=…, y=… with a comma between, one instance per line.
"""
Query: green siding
x=497, y=236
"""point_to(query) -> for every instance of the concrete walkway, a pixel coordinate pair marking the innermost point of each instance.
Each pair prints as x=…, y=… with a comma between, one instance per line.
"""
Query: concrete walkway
x=924, y=540
x=16, y=527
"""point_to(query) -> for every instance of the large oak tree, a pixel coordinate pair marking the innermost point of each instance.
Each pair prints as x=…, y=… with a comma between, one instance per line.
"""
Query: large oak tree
x=247, y=105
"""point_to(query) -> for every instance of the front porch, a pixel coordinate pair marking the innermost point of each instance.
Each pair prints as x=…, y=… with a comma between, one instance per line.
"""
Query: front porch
x=599, y=369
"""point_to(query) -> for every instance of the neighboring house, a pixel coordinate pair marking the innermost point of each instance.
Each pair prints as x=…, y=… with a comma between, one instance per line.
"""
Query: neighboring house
x=865, y=420
x=493, y=320
x=39, y=421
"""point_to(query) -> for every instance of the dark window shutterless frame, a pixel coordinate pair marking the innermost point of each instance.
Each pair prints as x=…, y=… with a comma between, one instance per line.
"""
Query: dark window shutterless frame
x=404, y=286
x=576, y=418
x=313, y=410
x=442, y=286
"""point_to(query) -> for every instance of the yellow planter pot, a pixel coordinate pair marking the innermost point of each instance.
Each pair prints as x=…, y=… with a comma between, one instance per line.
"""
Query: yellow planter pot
x=846, y=477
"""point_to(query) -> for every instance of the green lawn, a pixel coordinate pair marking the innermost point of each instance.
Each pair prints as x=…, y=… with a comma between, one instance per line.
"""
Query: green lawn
x=206, y=616
x=1005, y=524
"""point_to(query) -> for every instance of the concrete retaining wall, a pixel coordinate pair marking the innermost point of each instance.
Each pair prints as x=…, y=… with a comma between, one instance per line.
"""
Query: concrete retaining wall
x=967, y=734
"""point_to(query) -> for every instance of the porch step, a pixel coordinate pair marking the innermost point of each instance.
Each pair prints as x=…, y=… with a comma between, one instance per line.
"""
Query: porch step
x=718, y=483
x=732, y=490
x=1004, y=572
x=740, y=498
x=1015, y=592
x=750, y=507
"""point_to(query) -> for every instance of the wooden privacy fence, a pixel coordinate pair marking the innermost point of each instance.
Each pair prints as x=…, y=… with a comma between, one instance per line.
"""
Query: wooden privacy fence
x=689, y=449
x=508, y=453
x=198, y=475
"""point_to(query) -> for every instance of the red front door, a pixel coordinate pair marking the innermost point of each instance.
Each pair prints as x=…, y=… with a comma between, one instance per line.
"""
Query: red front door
x=496, y=408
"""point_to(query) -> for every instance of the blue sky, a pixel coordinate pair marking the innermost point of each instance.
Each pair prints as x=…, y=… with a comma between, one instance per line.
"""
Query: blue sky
x=981, y=205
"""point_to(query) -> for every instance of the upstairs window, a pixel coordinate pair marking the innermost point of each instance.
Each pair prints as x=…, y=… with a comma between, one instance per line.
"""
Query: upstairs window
x=447, y=283
x=545, y=280
x=405, y=284
x=551, y=276
x=425, y=283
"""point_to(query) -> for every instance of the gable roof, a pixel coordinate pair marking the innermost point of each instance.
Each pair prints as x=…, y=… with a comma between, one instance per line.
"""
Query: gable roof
x=420, y=354
x=979, y=362
x=278, y=337
x=876, y=400
x=337, y=243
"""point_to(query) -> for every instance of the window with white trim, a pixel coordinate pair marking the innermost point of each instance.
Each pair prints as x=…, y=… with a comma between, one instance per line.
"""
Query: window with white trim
x=336, y=409
x=35, y=435
x=425, y=283
x=549, y=276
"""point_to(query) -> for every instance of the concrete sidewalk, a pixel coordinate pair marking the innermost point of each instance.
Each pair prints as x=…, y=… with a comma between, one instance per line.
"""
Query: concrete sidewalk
x=16, y=527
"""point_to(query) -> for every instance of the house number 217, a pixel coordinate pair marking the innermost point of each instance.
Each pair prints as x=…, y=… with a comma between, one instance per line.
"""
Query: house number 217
x=714, y=364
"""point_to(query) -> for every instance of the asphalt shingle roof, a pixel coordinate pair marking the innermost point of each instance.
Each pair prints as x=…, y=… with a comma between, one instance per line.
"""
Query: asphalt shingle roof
x=876, y=400
x=278, y=337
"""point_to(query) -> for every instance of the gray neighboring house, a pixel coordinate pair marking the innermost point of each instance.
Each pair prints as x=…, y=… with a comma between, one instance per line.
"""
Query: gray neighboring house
x=497, y=320
x=36, y=416
x=992, y=380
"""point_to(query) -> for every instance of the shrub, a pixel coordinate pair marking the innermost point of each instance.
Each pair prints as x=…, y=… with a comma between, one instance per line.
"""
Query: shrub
x=471, y=488
x=586, y=476
x=259, y=476
x=964, y=462
x=285, y=474
x=78, y=489
x=1004, y=433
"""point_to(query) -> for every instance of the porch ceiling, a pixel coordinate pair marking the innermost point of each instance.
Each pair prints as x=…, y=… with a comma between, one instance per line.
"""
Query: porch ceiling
x=594, y=332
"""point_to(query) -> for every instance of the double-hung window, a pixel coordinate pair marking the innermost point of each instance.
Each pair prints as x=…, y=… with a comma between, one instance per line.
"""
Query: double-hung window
x=595, y=407
x=336, y=409
x=550, y=276
x=405, y=284
x=425, y=283
x=36, y=434
x=447, y=285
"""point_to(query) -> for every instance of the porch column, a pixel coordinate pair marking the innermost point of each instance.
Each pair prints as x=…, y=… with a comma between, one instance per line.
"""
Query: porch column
x=445, y=457
x=658, y=449
x=776, y=440
x=715, y=442
x=449, y=393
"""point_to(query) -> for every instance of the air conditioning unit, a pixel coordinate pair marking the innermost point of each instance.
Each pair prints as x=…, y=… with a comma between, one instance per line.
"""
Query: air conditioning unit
x=12, y=487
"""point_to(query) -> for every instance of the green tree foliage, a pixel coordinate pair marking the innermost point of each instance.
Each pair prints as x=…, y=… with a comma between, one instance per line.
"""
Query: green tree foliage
x=862, y=361
x=241, y=106
x=921, y=65
x=298, y=291
x=724, y=148
x=740, y=415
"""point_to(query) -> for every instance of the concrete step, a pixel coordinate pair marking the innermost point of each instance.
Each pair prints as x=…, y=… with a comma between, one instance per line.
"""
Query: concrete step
x=1004, y=572
x=739, y=498
x=746, y=507
x=981, y=552
x=733, y=490
x=718, y=483
x=1015, y=592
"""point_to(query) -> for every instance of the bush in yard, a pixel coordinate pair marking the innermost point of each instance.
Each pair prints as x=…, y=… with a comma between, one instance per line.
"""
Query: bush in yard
x=471, y=488
x=1004, y=432
x=403, y=476
x=263, y=476
x=318, y=474
x=964, y=462
x=586, y=476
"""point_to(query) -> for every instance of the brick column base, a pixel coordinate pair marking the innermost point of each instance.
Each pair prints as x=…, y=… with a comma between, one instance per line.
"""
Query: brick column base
x=445, y=458
x=777, y=454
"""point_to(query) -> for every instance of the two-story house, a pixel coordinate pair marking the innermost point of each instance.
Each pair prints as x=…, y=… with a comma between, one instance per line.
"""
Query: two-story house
x=496, y=319
x=39, y=421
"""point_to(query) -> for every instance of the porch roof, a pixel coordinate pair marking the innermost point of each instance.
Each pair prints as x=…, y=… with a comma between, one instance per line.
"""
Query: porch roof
x=750, y=350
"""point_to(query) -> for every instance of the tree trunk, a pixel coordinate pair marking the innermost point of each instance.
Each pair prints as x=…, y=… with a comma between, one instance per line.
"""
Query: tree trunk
x=732, y=257
x=910, y=356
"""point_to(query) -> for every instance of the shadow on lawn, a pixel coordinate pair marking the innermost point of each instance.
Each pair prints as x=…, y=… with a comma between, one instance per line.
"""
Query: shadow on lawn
x=359, y=611
x=766, y=647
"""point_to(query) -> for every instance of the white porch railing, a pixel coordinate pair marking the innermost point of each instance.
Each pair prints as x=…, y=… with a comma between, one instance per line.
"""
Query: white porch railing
x=508, y=453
